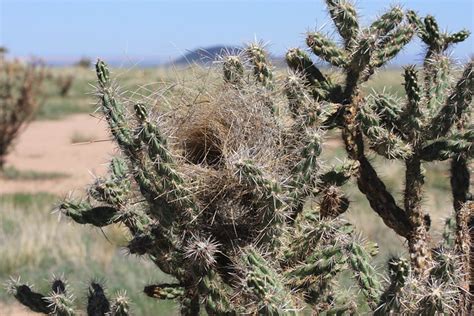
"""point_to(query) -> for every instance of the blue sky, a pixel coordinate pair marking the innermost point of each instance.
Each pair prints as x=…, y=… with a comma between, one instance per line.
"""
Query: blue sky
x=144, y=30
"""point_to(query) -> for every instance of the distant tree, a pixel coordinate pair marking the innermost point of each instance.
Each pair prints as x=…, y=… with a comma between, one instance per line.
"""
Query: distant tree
x=19, y=99
x=84, y=62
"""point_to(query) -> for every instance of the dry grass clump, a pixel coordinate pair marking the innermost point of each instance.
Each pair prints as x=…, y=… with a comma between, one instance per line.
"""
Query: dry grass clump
x=20, y=88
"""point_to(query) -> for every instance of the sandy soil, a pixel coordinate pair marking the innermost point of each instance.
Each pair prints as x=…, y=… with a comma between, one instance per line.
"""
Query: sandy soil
x=47, y=146
x=15, y=309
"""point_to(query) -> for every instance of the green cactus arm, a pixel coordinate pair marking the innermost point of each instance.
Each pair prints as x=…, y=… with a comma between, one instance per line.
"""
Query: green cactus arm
x=304, y=174
x=261, y=280
x=303, y=108
x=458, y=37
x=217, y=300
x=344, y=16
x=382, y=140
x=389, y=46
x=365, y=273
x=390, y=145
x=388, y=110
x=262, y=68
x=300, y=62
x=361, y=54
x=327, y=50
x=103, y=74
x=399, y=269
x=268, y=191
x=233, y=70
x=113, y=109
x=321, y=263
x=135, y=220
x=433, y=37
x=164, y=291
x=173, y=184
x=437, y=81
x=269, y=198
x=118, y=167
x=430, y=34
x=114, y=189
x=388, y=21
x=449, y=231
x=312, y=231
x=61, y=305
x=121, y=130
x=83, y=213
x=412, y=115
x=445, y=265
x=451, y=147
x=417, y=23
x=320, y=85
x=457, y=103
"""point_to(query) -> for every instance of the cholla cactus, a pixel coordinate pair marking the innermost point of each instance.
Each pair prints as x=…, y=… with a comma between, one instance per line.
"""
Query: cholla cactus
x=215, y=191
x=20, y=92
x=60, y=302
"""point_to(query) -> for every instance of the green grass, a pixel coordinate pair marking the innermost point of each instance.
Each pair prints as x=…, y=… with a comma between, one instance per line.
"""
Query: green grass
x=79, y=137
x=35, y=245
x=387, y=81
x=11, y=173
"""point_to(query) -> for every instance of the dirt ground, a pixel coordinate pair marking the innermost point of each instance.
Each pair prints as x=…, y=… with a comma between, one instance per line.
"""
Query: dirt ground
x=78, y=146
x=14, y=310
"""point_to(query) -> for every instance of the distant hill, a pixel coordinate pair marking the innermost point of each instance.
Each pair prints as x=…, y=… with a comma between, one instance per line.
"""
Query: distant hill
x=204, y=55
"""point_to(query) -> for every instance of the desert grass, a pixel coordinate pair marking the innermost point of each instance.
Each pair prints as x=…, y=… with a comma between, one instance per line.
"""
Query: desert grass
x=36, y=244
x=11, y=173
x=80, y=137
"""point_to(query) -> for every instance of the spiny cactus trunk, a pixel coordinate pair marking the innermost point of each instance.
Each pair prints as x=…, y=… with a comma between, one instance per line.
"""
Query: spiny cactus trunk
x=418, y=240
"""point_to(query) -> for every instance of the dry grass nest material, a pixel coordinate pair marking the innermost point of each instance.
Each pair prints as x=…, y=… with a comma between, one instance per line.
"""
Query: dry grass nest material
x=224, y=127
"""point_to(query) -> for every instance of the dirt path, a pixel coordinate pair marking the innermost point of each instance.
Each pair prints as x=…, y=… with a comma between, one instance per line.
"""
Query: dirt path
x=14, y=309
x=47, y=146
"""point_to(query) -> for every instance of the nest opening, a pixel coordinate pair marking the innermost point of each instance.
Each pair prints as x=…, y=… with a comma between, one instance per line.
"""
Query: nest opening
x=203, y=147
